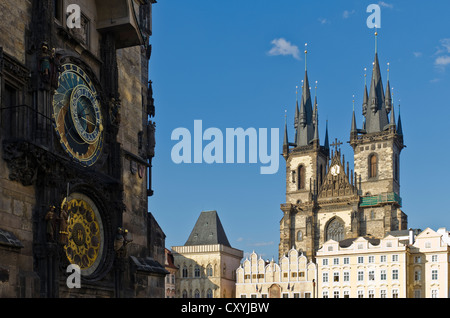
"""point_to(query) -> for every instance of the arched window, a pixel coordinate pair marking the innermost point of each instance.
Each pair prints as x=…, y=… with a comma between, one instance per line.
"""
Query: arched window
x=185, y=272
x=335, y=230
x=209, y=270
x=373, y=166
x=301, y=177
x=299, y=236
x=209, y=293
x=185, y=294
x=197, y=293
x=197, y=271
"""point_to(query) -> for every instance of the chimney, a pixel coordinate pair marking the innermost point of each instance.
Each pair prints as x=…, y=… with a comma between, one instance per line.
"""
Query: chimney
x=411, y=236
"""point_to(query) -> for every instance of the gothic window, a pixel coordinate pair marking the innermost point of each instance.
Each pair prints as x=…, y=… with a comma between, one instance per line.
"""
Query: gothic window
x=335, y=231
x=197, y=271
x=209, y=293
x=396, y=172
x=373, y=166
x=299, y=236
x=185, y=271
x=209, y=271
x=301, y=178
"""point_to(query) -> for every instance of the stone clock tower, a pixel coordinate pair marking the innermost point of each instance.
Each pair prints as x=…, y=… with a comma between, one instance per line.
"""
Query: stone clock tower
x=325, y=199
x=77, y=141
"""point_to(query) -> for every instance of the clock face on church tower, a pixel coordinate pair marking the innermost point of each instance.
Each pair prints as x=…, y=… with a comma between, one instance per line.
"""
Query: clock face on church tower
x=77, y=115
x=335, y=170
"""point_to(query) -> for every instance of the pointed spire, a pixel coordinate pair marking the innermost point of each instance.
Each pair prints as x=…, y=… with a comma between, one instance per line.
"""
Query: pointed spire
x=376, y=116
x=296, y=107
x=354, y=129
x=316, y=124
x=305, y=128
x=399, y=122
x=392, y=119
x=388, y=99
x=286, y=139
x=327, y=141
x=366, y=95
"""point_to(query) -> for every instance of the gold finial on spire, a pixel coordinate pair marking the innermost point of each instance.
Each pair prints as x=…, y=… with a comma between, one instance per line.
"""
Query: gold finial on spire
x=376, y=39
x=365, y=76
x=306, y=55
x=353, y=102
x=388, y=69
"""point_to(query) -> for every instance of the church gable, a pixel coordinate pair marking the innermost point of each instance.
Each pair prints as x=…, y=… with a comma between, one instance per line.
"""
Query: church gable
x=337, y=182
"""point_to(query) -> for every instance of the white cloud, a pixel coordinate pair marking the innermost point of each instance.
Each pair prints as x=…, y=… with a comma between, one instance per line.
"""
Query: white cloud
x=348, y=13
x=385, y=5
x=417, y=54
x=283, y=47
x=323, y=21
x=446, y=44
x=442, y=61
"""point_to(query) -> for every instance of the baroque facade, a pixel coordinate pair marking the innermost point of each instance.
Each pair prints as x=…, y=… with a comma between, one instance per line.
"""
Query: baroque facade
x=77, y=142
x=404, y=264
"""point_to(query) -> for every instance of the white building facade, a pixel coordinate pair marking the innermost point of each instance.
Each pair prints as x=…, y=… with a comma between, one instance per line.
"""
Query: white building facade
x=294, y=277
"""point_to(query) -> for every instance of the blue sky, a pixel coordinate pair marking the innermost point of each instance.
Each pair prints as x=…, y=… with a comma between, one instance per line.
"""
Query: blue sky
x=236, y=64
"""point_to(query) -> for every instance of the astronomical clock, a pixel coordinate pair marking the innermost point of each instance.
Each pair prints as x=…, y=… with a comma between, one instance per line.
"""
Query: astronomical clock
x=77, y=115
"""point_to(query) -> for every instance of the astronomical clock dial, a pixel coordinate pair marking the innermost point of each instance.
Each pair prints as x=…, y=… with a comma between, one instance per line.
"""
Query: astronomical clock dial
x=77, y=115
x=85, y=234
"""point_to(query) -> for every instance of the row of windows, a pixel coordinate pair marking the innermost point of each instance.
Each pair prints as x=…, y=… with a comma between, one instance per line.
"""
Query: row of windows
x=371, y=275
x=285, y=275
x=360, y=260
x=197, y=294
x=197, y=271
x=360, y=294
x=284, y=295
x=361, y=276
x=371, y=259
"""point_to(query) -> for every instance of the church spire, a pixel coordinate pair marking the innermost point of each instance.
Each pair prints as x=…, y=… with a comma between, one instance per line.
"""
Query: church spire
x=366, y=95
x=316, y=119
x=399, y=123
x=286, y=139
x=305, y=129
x=327, y=141
x=354, y=129
x=388, y=99
x=376, y=116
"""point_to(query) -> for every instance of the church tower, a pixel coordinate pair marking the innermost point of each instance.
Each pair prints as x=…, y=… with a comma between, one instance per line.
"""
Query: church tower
x=305, y=169
x=377, y=147
x=325, y=199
